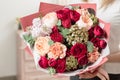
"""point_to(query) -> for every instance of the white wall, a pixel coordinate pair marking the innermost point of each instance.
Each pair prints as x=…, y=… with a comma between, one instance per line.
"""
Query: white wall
x=9, y=10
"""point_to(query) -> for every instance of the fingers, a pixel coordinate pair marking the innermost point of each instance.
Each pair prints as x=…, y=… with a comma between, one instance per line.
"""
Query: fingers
x=88, y=74
x=102, y=73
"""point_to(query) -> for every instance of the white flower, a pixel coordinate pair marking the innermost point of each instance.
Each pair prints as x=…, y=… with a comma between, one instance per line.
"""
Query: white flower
x=36, y=22
x=35, y=29
x=44, y=30
x=85, y=20
x=50, y=20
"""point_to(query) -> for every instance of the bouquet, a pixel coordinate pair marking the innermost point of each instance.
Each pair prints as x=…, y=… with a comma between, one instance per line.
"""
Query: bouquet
x=67, y=41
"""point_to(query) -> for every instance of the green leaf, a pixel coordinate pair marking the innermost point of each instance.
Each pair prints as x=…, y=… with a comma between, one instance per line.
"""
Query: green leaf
x=50, y=42
x=59, y=23
x=29, y=39
x=90, y=46
x=52, y=70
x=64, y=32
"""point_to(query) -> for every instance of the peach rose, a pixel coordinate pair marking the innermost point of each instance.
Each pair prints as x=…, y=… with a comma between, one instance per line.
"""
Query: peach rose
x=57, y=50
x=92, y=57
x=85, y=20
x=50, y=19
x=42, y=46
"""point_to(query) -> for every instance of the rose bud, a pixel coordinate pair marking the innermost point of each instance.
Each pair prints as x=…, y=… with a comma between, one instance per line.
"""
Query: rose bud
x=43, y=62
x=61, y=65
x=98, y=31
x=52, y=62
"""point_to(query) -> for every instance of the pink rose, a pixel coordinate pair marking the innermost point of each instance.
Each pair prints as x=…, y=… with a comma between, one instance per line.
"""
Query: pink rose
x=57, y=50
x=61, y=65
x=82, y=60
x=41, y=45
x=92, y=57
x=102, y=44
x=98, y=31
x=78, y=49
x=52, y=62
x=43, y=62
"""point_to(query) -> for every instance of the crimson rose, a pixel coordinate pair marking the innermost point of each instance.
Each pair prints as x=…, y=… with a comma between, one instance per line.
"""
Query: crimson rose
x=91, y=33
x=67, y=16
x=99, y=43
x=78, y=49
x=102, y=44
x=82, y=60
x=56, y=36
x=43, y=62
x=61, y=65
x=52, y=62
x=98, y=31
x=74, y=16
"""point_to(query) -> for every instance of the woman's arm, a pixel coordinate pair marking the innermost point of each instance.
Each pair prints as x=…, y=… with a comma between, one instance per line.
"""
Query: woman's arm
x=114, y=57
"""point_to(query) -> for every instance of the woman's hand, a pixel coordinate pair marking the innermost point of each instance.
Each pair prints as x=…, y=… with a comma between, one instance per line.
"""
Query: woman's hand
x=101, y=73
x=89, y=74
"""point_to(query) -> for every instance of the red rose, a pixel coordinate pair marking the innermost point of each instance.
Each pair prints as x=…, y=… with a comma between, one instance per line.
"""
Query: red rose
x=74, y=15
x=63, y=14
x=43, y=62
x=98, y=31
x=52, y=62
x=78, y=49
x=91, y=33
x=99, y=43
x=83, y=60
x=68, y=52
x=102, y=44
x=66, y=23
x=95, y=41
x=61, y=65
x=56, y=37
x=55, y=29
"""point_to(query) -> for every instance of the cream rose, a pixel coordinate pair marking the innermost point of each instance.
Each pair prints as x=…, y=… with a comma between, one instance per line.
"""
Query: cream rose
x=85, y=20
x=42, y=46
x=57, y=50
x=50, y=20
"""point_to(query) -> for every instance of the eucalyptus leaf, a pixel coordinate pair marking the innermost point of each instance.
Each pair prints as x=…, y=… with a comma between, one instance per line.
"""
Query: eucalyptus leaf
x=50, y=42
x=64, y=32
x=29, y=39
x=59, y=23
x=52, y=70
x=90, y=46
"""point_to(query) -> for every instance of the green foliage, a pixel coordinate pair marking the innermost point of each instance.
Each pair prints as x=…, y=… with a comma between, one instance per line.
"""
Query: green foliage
x=71, y=63
x=64, y=32
x=29, y=39
x=51, y=70
x=59, y=23
x=90, y=46
x=50, y=42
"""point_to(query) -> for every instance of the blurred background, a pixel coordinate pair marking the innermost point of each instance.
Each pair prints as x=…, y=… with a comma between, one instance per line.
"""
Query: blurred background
x=13, y=61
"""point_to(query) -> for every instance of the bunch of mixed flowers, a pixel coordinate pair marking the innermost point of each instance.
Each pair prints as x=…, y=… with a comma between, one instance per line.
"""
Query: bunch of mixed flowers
x=66, y=40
